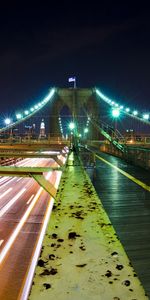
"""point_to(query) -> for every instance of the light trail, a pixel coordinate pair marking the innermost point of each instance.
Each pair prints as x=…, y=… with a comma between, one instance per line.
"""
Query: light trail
x=3, y=179
x=8, y=182
x=20, y=224
x=30, y=199
x=26, y=289
x=5, y=193
x=58, y=179
x=1, y=242
x=23, y=295
x=19, y=179
x=11, y=202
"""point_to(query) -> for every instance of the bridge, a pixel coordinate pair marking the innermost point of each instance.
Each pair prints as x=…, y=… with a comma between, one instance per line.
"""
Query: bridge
x=74, y=199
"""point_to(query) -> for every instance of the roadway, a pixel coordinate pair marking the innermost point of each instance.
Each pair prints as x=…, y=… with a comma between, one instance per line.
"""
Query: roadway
x=125, y=193
x=24, y=210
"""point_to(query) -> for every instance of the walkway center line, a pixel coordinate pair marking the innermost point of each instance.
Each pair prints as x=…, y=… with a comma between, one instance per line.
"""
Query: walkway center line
x=137, y=181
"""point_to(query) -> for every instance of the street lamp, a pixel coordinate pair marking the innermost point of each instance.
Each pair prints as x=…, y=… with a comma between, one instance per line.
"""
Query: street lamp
x=86, y=130
x=115, y=114
x=19, y=116
x=72, y=125
x=7, y=121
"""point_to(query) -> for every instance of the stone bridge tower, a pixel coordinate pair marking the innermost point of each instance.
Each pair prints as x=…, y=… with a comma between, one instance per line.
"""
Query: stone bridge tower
x=77, y=100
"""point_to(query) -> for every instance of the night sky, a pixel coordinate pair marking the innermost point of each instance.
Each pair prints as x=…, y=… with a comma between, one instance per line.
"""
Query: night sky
x=105, y=45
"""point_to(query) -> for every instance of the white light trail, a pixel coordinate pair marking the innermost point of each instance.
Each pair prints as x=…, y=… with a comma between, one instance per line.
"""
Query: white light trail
x=4, y=179
x=30, y=199
x=5, y=193
x=26, y=289
x=58, y=179
x=11, y=202
x=12, y=179
x=1, y=242
x=15, y=233
x=19, y=179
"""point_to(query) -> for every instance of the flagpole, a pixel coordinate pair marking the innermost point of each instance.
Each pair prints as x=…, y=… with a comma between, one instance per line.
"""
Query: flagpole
x=74, y=82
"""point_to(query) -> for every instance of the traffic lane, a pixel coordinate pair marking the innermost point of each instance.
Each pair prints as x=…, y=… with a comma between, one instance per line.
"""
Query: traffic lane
x=12, y=192
x=15, y=182
x=12, y=217
x=13, y=270
x=22, y=251
x=5, y=181
x=26, y=245
x=19, y=226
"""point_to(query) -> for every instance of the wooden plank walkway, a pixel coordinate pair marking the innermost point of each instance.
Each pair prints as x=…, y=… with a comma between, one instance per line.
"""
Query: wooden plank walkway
x=128, y=207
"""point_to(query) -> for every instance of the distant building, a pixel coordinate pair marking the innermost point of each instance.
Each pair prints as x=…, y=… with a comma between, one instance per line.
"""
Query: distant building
x=42, y=130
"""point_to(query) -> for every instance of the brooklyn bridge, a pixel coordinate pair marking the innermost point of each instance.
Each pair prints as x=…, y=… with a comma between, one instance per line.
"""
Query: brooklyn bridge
x=74, y=199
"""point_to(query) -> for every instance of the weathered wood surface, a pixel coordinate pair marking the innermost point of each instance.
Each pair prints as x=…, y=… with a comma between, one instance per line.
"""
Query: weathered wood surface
x=128, y=207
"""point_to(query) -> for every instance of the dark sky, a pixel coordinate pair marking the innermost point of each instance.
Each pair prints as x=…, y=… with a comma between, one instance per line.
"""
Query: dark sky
x=105, y=45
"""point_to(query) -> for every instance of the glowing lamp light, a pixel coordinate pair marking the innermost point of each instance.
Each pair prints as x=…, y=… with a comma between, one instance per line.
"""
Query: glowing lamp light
x=18, y=116
x=127, y=109
x=115, y=113
x=146, y=116
x=135, y=112
x=71, y=125
x=26, y=112
x=86, y=130
x=7, y=121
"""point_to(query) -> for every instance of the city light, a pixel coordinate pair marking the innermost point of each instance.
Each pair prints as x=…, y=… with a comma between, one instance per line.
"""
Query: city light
x=132, y=113
x=18, y=116
x=72, y=126
x=115, y=113
x=135, y=112
x=26, y=112
x=7, y=121
x=146, y=116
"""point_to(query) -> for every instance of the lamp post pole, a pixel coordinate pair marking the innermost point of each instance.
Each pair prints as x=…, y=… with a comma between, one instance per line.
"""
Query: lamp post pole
x=115, y=114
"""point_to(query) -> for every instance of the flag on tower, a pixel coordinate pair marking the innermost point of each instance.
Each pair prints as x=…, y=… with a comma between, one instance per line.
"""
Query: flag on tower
x=71, y=79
